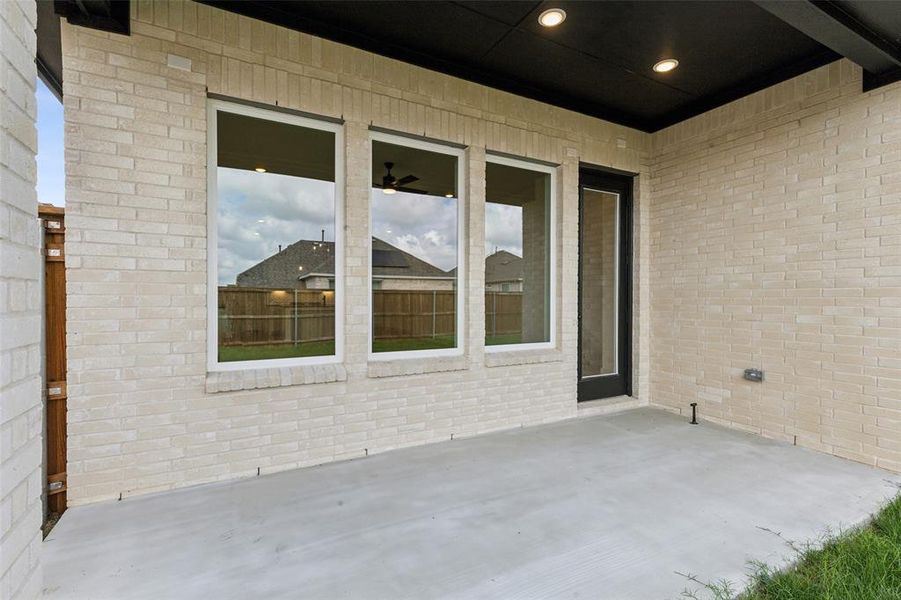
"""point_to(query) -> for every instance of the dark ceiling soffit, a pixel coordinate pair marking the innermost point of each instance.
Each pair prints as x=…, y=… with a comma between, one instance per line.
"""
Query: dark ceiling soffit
x=744, y=89
x=113, y=16
x=832, y=26
x=291, y=20
x=286, y=18
x=49, y=54
x=49, y=78
x=871, y=82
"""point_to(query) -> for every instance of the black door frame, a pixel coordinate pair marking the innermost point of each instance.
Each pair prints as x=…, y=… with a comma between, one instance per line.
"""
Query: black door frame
x=620, y=384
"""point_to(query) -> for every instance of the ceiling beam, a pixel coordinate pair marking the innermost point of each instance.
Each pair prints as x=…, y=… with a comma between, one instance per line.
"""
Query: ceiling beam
x=829, y=24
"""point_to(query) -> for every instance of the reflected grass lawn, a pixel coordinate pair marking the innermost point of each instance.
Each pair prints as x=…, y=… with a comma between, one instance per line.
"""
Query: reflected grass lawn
x=327, y=348
x=273, y=351
x=498, y=340
x=406, y=344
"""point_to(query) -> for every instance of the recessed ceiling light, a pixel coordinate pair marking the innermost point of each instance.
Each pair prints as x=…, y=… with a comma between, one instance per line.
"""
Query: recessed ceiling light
x=448, y=195
x=552, y=17
x=666, y=65
x=260, y=170
x=389, y=190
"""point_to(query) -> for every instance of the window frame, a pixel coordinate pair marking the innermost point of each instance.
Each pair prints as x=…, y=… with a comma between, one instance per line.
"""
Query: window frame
x=214, y=106
x=528, y=165
x=460, y=297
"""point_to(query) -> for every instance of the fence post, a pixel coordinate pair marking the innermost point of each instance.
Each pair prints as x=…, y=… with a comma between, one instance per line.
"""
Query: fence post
x=494, y=317
x=295, y=316
x=434, y=310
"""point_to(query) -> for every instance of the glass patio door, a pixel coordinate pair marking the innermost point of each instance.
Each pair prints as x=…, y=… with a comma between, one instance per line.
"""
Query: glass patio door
x=605, y=283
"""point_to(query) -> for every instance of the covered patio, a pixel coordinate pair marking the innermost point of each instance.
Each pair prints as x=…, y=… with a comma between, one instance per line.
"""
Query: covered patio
x=610, y=506
x=413, y=300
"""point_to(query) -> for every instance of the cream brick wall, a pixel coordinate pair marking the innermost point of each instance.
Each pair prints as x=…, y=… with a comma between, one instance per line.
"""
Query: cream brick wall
x=20, y=309
x=775, y=242
x=143, y=413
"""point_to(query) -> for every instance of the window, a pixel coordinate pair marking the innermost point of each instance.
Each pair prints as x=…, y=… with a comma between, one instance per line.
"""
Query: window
x=275, y=240
x=417, y=255
x=519, y=267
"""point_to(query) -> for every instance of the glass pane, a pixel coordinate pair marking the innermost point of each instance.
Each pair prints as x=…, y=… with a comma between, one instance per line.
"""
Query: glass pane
x=599, y=279
x=414, y=249
x=276, y=239
x=517, y=255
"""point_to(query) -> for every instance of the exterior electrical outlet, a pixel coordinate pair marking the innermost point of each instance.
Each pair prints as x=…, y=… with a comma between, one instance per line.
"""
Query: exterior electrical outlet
x=755, y=375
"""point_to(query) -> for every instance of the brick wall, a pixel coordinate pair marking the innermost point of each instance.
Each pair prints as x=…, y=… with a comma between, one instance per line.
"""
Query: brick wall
x=775, y=242
x=20, y=309
x=144, y=414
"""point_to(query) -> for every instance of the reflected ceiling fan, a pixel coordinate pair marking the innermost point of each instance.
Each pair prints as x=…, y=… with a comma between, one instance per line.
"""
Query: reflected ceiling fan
x=391, y=184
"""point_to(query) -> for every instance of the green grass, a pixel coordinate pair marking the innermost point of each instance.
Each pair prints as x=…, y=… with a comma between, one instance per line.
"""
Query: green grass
x=399, y=345
x=326, y=348
x=270, y=351
x=497, y=340
x=863, y=564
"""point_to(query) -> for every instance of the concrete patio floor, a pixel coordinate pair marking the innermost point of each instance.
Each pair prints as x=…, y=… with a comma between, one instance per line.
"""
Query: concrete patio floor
x=601, y=507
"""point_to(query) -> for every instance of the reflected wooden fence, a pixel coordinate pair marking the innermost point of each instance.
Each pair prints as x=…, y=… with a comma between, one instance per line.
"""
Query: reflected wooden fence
x=259, y=316
x=256, y=316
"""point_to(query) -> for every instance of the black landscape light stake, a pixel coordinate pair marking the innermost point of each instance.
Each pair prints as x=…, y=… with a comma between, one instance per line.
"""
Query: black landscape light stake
x=694, y=413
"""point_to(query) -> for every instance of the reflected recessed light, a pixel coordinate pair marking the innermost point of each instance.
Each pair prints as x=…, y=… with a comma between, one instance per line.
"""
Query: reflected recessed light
x=666, y=65
x=260, y=170
x=261, y=221
x=389, y=190
x=552, y=17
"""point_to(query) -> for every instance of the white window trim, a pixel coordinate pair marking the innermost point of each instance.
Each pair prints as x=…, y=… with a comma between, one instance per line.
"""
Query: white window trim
x=552, y=259
x=460, y=337
x=213, y=364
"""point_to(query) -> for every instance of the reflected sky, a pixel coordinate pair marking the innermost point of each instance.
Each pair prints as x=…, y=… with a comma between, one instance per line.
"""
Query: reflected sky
x=425, y=226
x=503, y=228
x=259, y=211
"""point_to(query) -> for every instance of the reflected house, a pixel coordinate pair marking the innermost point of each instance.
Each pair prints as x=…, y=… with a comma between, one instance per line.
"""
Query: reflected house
x=310, y=265
x=503, y=272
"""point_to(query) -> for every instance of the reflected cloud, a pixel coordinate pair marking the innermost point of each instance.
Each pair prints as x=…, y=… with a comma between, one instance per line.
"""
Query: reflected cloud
x=257, y=212
x=503, y=228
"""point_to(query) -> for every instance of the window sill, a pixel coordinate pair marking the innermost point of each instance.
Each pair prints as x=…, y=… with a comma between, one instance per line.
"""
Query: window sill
x=255, y=379
x=509, y=358
x=417, y=366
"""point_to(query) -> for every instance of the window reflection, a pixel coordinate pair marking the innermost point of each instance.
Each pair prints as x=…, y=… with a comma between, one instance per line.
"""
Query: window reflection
x=275, y=224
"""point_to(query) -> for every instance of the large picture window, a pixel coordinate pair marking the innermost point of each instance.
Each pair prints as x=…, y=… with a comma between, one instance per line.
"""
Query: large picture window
x=519, y=293
x=274, y=238
x=416, y=247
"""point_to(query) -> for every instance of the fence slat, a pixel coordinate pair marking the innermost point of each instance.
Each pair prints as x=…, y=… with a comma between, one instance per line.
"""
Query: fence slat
x=258, y=316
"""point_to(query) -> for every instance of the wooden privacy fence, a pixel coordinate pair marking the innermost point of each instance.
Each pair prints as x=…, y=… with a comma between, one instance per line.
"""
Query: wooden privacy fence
x=257, y=316
x=254, y=316
x=503, y=313
x=399, y=314
x=53, y=219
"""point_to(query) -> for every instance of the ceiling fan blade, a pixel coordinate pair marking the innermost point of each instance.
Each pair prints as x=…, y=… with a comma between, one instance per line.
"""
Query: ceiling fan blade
x=412, y=190
x=407, y=179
